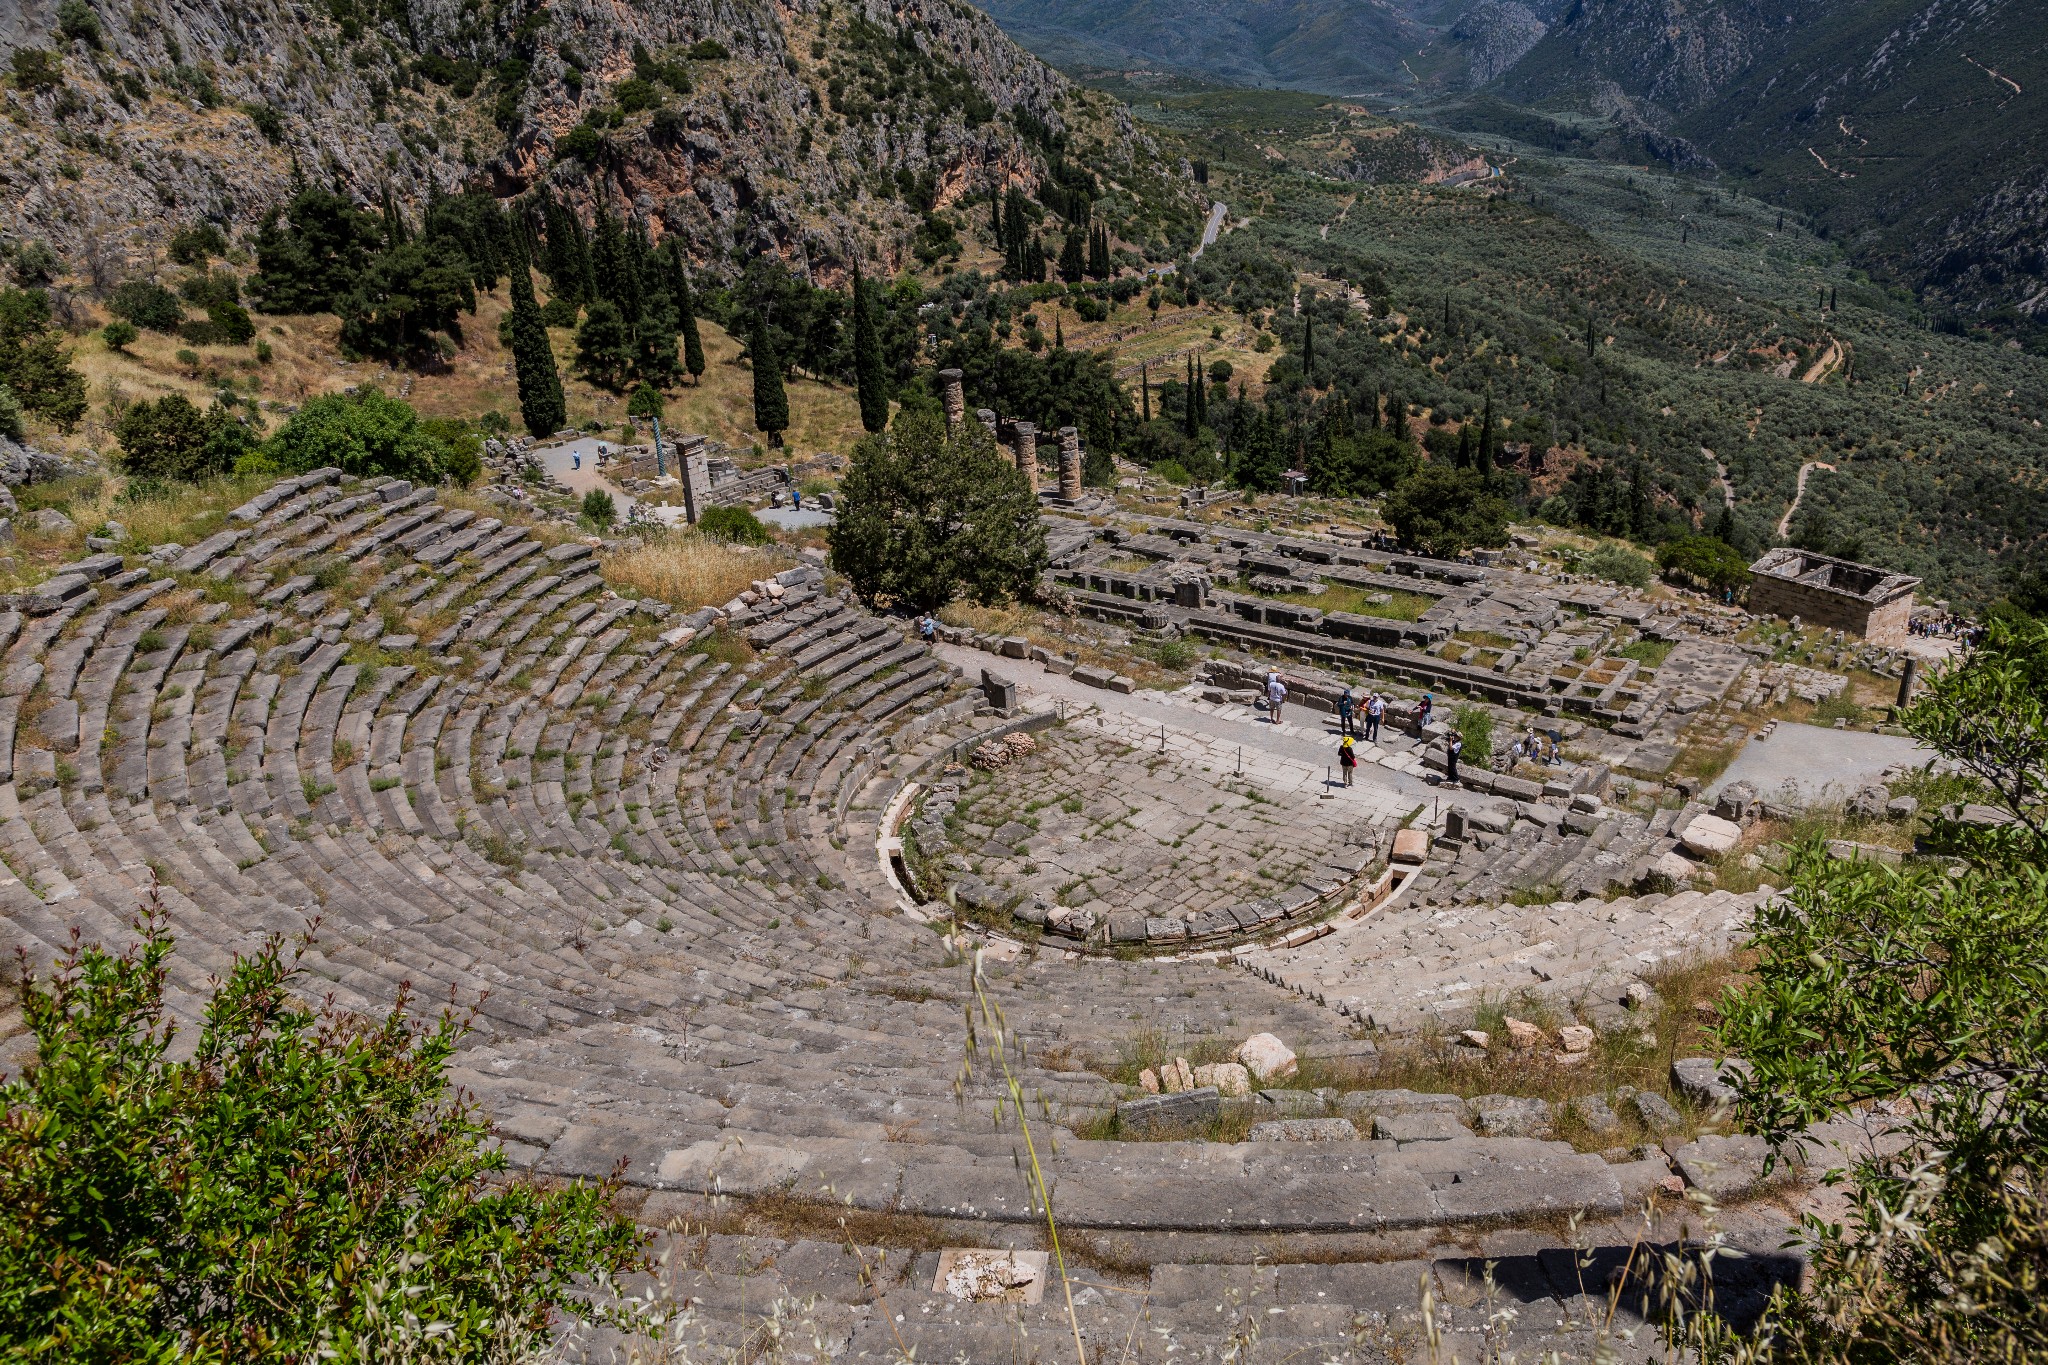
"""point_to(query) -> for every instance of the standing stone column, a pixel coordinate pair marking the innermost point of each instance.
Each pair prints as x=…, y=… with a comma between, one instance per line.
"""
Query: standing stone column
x=955, y=400
x=1027, y=455
x=1907, y=677
x=1070, y=464
x=987, y=417
x=696, y=476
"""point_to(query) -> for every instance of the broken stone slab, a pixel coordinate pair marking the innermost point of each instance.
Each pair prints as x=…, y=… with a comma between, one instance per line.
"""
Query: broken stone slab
x=1126, y=926
x=1359, y=1103
x=1293, y=1104
x=1522, y=1035
x=1707, y=1084
x=1597, y=1114
x=1576, y=1038
x=1303, y=1130
x=1154, y=1114
x=1090, y=676
x=1709, y=836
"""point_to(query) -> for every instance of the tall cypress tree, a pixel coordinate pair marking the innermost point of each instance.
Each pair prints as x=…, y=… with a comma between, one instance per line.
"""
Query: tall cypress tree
x=1308, y=345
x=771, y=403
x=1485, y=451
x=541, y=405
x=1397, y=417
x=1187, y=413
x=686, y=311
x=1145, y=390
x=869, y=377
x=1201, y=396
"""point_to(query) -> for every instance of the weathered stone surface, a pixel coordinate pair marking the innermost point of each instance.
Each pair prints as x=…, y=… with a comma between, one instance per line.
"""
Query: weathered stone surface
x=1411, y=846
x=1522, y=1035
x=1266, y=1057
x=1709, y=836
x=1706, y=1083
x=1598, y=1116
x=1303, y=1130
x=1364, y=1103
x=1728, y=1167
x=1419, y=1126
x=1167, y=1113
x=1576, y=1038
x=1231, y=1080
x=1655, y=1111
x=1510, y=1116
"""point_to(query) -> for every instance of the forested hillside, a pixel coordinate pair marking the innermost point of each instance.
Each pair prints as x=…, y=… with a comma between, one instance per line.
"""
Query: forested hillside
x=1604, y=341
x=1912, y=130
x=800, y=130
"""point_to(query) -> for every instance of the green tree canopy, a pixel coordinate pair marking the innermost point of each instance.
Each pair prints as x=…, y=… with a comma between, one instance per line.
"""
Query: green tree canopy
x=771, y=401
x=925, y=516
x=1929, y=981
x=310, y=253
x=1444, y=512
x=172, y=439
x=404, y=296
x=34, y=365
x=1703, y=561
x=362, y=433
x=278, y=1193
x=604, y=346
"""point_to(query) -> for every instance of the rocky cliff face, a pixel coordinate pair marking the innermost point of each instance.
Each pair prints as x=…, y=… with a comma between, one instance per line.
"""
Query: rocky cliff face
x=800, y=126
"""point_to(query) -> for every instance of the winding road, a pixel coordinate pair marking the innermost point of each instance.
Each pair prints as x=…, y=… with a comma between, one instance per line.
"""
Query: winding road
x=1785, y=522
x=1218, y=211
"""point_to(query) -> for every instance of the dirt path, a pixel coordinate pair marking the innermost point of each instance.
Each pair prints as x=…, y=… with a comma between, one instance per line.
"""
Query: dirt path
x=1830, y=361
x=1785, y=522
x=1341, y=214
x=1721, y=476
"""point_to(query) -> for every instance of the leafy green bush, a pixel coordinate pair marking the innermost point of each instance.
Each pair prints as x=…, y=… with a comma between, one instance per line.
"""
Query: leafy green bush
x=708, y=50
x=193, y=245
x=37, y=69
x=78, y=24
x=1926, y=984
x=1618, y=564
x=119, y=334
x=10, y=415
x=461, y=453
x=645, y=402
x=1704, y=562
x=231, y=323
x=303, y=1180
x=736, y=524
x=34, y=365
x=599, y=509
x=1444, y=511
x=172, y=439
x=1475, y=725
x=559, y=312
x=363, y=433
x=147, y=304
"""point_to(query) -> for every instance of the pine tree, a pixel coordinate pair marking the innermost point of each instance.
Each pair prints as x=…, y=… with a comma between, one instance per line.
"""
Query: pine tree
x=686, y=312
x=869, y=378
x=633, y=275
x=541, y=405
x=771, y=403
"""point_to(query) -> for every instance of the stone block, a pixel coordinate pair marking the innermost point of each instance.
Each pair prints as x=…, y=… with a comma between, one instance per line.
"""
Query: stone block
x=1419, y=1126
x=1731, y=1166
x=1127, y=926
x=1598, y=1116
x=1410, y=846
x=1231, y=1080
x=1155, y=1114
x=1576, y=1038
x=1517, y=788
x=1901, y=808
x=1707, y=1084
x=1159, y=930
x=1090, y=676
x=59, y=724
x=1369, y=1102
x=1303, y=1130
x=1523, y=1035
x=1266, y=1057
x=1655, y=1111
x=1015, y=647
x=1000, y=691
x=1674, y=866
x=1291, y=1104
x=1491, y=819
x=1709, y=836
x=1059, y=663
x=1120, y=683
x=1510, y=1116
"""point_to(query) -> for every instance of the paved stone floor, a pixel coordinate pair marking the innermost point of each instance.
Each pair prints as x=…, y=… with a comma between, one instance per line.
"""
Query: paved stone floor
x=1818, y=764
x=1104, y=821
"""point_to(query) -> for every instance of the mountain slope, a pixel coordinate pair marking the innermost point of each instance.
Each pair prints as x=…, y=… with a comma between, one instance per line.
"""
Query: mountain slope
x=1331, y=46
x=1916, y=130
x=742, y=125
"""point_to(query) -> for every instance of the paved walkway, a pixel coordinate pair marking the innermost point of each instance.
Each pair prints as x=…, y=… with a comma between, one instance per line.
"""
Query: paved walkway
x=1297, y=756
x=1818, y=764
x=562, y=464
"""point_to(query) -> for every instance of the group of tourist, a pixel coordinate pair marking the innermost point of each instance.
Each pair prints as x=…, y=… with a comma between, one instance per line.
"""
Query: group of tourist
x=1948, y=627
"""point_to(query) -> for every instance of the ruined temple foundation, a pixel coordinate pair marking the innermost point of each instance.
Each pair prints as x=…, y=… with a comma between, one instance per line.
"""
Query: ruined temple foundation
x=1837, y=594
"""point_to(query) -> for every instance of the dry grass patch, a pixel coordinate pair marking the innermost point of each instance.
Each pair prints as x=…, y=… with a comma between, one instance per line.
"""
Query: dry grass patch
x=688, y=570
